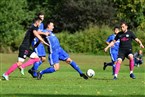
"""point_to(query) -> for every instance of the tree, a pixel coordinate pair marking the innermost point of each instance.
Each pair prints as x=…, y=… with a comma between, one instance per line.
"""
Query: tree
x=79, y=14
x=132, y=11
x=14, y=18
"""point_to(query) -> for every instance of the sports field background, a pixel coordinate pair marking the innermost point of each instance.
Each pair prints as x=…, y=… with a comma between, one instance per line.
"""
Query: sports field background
x=67, y=83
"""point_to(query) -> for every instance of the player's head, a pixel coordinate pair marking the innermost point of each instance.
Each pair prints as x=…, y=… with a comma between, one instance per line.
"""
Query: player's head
x=41, y=15
x=124, y=26
x=50, y=25
x=37, y=21
x=116, y=30
x=140, y=52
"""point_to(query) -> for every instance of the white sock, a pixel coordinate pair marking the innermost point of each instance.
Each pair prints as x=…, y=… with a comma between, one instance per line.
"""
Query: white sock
x=131, y=72
x=115, y=75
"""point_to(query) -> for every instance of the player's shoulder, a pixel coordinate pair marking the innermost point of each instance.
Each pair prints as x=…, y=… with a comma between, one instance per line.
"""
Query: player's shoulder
x=129, y=31
x=111, y=35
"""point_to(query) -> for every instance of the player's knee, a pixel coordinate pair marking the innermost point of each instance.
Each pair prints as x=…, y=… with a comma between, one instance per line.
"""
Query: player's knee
x=68, y=60
x=119, y=60
x=19, y=63
x=34, y=55
x=56, y=67
x=43, y=59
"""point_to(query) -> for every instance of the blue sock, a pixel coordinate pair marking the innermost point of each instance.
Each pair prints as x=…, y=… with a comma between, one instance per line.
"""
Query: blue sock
x=35, y=67
x=48, y=70
x=76, y=67
x=113, y=69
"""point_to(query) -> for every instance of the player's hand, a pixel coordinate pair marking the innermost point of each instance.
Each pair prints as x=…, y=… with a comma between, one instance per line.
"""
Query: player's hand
x=46, y=43
x=106, y=49
x=141, y=45
x=47, y=33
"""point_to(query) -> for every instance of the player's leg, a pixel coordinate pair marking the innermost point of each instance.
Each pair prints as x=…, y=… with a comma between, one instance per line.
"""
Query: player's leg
x=33, y=58
x=107, y=64
x=65, y=57
x=54, y=65
x=131, y=65
x=110, y=63
x=114, y=60
x=21, y=58
x=76, y=67
x=40, y=50
x=33, y=70
x=121, y=57
x=11, y=69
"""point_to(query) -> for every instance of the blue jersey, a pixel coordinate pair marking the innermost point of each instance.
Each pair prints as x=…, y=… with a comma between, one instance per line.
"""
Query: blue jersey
x=56, y=52
x=41, y=27
x=114, y=49
x=53, y=41
x=116, y=45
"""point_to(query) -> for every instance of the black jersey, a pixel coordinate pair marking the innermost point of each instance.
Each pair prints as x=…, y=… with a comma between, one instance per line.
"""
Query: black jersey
x=29, y=37
x=125, y=39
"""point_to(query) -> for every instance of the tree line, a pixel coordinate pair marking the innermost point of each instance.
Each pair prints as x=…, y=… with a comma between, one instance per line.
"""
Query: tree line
x=71, y=16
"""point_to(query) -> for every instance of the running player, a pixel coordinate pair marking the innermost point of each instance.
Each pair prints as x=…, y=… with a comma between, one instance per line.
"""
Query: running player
x=125, y=48
x=56, y=54
x=24, y=49
x=113, y=50
x=40, y=50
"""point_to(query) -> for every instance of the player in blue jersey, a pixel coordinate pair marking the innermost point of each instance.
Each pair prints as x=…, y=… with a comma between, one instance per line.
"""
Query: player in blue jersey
x=40, y=50
x=56, y=53
x=113, y=50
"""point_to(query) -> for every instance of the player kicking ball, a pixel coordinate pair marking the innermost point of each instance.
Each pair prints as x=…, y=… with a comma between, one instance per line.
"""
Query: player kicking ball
x=56, y=54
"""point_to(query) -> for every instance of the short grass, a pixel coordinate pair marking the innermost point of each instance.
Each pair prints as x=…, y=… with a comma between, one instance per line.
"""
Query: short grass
x=67, y=83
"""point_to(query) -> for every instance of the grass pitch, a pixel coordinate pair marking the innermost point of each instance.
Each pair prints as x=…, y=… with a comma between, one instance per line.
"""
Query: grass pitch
x=67, y=83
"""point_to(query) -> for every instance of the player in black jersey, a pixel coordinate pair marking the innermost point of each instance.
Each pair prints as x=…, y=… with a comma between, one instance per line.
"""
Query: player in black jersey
x=125, y=48
x=24, y=49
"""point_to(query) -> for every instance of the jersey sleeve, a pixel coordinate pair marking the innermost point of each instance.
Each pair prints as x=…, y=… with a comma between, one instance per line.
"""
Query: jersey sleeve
x=133, y=35
x=109, y=39
x=35, y=28
x=117, y=37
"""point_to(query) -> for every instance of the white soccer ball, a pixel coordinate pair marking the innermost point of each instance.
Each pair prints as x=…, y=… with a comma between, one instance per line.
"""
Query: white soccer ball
x=90, y=73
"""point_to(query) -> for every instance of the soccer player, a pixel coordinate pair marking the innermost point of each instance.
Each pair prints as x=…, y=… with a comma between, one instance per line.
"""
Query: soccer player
x=125, y=48
x=113, y=50
x=24, y=49
x=56, y=54
x=40, y=50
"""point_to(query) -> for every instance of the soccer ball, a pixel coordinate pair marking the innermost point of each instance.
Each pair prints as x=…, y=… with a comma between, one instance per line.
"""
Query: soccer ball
x=90, y=73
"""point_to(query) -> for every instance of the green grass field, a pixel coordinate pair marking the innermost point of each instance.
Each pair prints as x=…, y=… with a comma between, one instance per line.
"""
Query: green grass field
x=67, y=83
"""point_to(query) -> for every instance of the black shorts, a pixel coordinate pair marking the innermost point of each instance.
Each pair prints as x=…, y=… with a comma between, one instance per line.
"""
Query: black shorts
x=24, y=52
x=124, y=53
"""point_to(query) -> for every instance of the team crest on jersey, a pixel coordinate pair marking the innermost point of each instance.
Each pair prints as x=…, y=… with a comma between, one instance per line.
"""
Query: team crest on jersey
x=127, y=35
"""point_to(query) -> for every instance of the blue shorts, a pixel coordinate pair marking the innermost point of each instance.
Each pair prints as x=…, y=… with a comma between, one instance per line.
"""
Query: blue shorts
x=40, y=50
x=58, y=55
x=114, y=55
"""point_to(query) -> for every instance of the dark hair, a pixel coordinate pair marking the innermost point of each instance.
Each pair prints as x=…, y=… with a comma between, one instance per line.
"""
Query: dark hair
x=40, y=13
x=124, y=23
x=36, y=19
x=116, y=27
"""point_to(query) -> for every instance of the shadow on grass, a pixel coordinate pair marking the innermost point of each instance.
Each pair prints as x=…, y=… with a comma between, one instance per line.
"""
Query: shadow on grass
x=52, y=95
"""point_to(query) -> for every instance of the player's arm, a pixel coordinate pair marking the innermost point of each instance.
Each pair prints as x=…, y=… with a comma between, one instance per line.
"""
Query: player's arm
x=140, y=43
x=39, y=37
x=38, y=42
x=42, y=33
x=110, y=44
x=107, y=43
